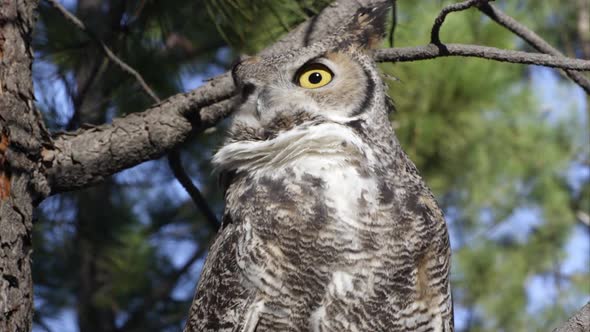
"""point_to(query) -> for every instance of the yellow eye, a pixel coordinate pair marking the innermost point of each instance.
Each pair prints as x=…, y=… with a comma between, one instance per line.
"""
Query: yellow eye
x=314, y=76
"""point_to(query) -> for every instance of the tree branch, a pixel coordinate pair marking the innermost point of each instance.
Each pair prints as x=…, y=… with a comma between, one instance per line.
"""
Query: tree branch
x=432, y=51
x=174, y=156
x=84, y=157
x=532, y=39
x=393, y=23
x=180, y=174
x=440, y=19
x=515, y=27
x=106, y=50
x=579, y=322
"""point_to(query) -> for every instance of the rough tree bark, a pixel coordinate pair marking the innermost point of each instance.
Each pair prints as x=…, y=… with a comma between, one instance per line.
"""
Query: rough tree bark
x=33, y=166
x=579, y=322
x=21, y=180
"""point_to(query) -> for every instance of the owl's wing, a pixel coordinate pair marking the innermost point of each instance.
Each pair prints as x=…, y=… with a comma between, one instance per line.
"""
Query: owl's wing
x=433, y=265
x=221, y=303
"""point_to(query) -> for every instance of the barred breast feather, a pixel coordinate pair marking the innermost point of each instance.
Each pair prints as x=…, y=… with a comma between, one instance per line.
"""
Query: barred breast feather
x=320, y=235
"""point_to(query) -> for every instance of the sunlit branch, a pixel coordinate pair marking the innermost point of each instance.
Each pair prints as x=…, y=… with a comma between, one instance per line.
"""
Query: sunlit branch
x=532, y=39
x=432, y=51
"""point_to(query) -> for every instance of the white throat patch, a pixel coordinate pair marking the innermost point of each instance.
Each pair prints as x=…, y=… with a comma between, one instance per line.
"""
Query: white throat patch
x=329, y=138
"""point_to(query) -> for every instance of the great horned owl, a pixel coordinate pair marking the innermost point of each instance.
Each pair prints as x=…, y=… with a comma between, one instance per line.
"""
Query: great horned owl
x=327, y=224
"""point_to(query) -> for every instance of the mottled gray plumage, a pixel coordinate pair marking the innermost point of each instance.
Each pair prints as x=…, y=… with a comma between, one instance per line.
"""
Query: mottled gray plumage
x=327, y=225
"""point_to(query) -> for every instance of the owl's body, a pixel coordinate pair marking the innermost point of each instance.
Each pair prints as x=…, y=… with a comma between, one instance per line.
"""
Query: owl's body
x=327, y=225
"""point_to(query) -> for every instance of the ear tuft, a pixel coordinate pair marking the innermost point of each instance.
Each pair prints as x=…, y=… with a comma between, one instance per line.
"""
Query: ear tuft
x=367, y=27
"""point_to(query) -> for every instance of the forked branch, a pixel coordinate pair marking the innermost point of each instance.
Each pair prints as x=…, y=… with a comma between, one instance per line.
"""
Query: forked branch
x=104, y=48
x=440, y=19
x=532, y=39
x=518, y=29
x=174, y=156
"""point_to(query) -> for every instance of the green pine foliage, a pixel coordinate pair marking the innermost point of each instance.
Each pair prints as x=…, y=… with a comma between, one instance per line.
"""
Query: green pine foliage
x=249, y=25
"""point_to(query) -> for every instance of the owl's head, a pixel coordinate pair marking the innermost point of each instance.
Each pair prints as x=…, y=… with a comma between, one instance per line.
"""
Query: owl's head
x=333, y=82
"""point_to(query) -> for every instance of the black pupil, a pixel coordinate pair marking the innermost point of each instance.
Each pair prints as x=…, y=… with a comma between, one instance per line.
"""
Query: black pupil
x=315, y=78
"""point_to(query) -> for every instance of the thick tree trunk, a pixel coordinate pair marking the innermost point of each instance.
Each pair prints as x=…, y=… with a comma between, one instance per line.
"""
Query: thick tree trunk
x=21, y=183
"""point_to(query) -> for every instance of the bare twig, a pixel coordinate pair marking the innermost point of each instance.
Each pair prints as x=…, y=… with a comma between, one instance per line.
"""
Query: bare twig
x=511, y=24
x=440, y=19
x=532, y=38
x=107, y=51
x=508, y=22
x=78, y=99
x=393, y=22
x=179, y=172
x=432, y=51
